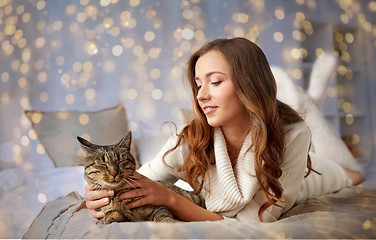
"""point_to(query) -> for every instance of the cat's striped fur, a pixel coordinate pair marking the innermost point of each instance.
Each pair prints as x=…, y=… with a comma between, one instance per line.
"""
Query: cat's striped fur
x=111, y=167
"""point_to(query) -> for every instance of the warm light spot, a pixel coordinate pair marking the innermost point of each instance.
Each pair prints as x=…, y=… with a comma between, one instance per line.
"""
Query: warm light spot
x=367, y=225
x=157, y=94
x=342, y=70
x=279, y=13
x=155, y=73
x=91, y=48
x=372, y=6
x=349, y=37
x=132, y=94
x=134, y=3
x=138, y=50
x=5, y=77
x=177, y=71
x=90, y=93
x=187, y=34
x=24, y=102
x=24, y=141
x=69, y=98
x=154, y=52
x=114, y=31
x=149, y=36
x=349, y=119
x=117, y=50
x=344, y=18
x=278, y=36
x=86, y=136
x=81, y=17
x=128, y=42
x=42, y=198
x=70, y=9
x=36, y=117
x=87, y=66
x=24, y=68
x=338, y=37
x=319, y=52
x=355, y=139
x=346, y=107
x=331, y=91
x=300, y=16
x=124, y=16
x=26, y=17
x=17, y=149
x=42, y=77
x=83, y=119
x=33, y=134
x=188, y=14
x=41, y=5
x=297, y=74
x=39, y=64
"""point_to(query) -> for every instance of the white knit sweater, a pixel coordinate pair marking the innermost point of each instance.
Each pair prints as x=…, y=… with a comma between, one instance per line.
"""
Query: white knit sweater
x=235, y=193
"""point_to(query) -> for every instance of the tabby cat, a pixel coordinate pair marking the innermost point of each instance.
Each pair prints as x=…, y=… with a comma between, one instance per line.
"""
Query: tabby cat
x=111, y=167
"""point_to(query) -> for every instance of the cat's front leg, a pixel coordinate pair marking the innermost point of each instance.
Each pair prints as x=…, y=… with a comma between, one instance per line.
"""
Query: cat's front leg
x=161, y=214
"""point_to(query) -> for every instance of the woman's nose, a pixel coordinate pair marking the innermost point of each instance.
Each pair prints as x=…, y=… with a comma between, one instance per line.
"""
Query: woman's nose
x=203, y=93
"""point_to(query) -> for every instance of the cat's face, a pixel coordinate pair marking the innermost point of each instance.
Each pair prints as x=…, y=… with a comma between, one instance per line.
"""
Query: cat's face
x=108, y=166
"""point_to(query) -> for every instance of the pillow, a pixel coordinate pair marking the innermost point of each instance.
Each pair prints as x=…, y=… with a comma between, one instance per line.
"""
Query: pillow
x=57, y=131
x=184, y=116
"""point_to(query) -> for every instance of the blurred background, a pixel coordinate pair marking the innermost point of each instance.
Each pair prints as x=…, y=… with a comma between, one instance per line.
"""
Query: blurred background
x=87, y=55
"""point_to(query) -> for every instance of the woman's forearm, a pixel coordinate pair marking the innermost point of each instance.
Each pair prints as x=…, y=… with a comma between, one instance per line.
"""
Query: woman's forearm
x=186, y=210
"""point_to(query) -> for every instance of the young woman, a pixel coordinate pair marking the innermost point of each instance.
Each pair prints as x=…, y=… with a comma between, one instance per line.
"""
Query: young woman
x=245, y=151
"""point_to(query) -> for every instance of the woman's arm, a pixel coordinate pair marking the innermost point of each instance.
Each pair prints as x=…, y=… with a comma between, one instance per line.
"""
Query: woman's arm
x=156, y=194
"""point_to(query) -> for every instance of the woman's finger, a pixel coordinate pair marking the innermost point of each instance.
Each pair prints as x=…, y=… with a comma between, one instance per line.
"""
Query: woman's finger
x=138, y=203
x=91, y=195
x=96, y=214
x=92, y=205
x=136, y=192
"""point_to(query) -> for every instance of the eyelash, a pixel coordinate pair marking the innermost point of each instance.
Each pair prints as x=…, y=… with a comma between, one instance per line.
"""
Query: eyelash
x=213, y=83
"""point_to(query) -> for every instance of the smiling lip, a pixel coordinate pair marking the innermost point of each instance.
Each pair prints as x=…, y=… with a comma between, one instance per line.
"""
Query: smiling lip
x=208, y=109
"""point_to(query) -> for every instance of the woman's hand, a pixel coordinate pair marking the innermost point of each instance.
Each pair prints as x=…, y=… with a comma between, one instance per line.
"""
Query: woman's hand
x=150, y=192
x=96, y=199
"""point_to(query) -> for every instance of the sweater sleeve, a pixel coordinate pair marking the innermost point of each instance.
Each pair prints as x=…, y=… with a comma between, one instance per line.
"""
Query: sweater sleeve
x=293, y=166
x=158, y=169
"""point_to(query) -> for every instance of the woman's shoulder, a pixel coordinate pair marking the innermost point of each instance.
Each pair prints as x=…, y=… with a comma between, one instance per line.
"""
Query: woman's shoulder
x=295, y=130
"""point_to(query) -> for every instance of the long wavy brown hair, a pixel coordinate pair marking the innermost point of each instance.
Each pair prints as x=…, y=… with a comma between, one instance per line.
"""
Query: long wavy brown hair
x=257, y=90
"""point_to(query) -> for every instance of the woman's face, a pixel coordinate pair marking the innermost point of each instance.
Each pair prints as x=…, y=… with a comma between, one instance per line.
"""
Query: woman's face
x=216, y=92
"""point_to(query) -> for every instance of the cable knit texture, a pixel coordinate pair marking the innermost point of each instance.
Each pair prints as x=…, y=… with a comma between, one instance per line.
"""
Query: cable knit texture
x=230, y=190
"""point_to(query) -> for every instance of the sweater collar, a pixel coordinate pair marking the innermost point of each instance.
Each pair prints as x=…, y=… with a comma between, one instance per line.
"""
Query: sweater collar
x=230, y=189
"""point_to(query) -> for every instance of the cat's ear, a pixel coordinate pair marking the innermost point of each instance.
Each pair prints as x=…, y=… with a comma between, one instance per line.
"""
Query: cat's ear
x=86, y=145
x=126, y=141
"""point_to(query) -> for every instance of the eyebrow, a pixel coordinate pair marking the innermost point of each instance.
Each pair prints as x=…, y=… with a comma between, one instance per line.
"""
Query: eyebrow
x=211, y=73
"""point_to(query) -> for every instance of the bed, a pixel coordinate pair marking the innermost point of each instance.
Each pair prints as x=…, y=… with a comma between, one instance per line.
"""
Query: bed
x=47, y=202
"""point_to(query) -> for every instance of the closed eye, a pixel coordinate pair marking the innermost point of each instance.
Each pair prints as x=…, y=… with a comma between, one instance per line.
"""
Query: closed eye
x=216, y=83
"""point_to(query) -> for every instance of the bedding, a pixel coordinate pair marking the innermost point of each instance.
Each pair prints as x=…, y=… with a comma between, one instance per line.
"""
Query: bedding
x=349, y=213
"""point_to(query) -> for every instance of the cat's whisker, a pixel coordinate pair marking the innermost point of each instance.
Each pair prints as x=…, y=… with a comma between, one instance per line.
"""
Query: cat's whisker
x=137, y=188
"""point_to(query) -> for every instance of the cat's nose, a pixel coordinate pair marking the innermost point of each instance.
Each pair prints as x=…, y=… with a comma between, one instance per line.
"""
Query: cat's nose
x=113, y=171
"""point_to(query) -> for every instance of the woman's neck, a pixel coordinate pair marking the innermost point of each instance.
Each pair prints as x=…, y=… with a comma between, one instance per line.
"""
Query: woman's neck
x=235, y=137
